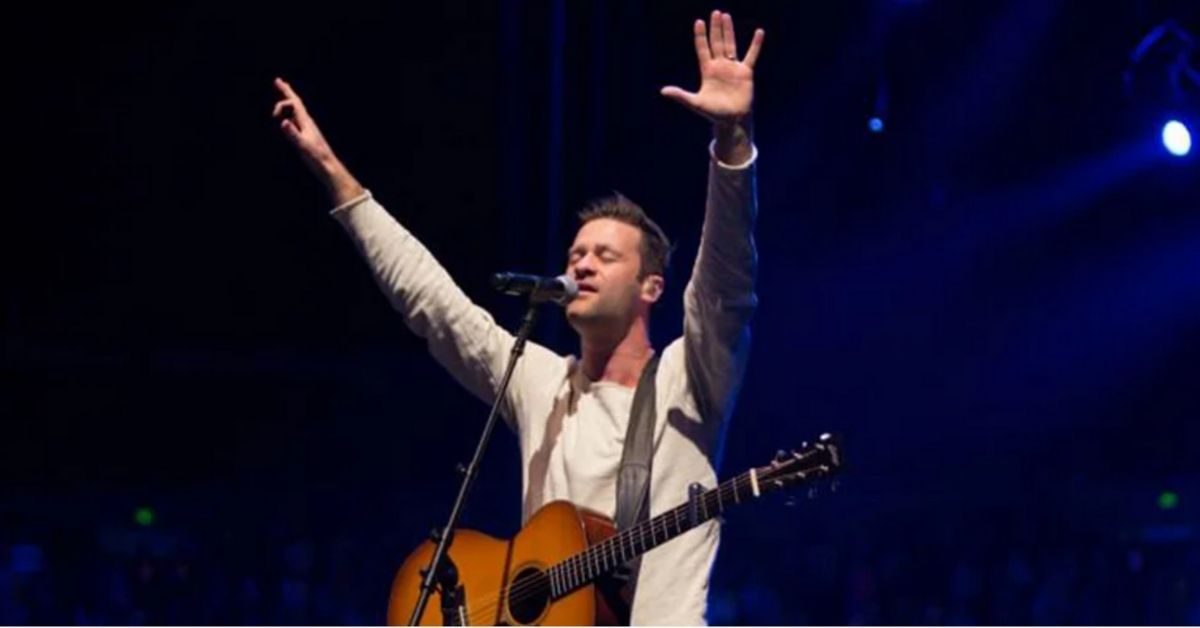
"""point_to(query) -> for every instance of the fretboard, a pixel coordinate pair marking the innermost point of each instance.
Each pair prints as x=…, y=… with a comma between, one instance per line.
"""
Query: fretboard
x=607, y=555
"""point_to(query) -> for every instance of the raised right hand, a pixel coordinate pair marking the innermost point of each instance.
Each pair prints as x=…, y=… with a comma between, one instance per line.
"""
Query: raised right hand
x=302, y=131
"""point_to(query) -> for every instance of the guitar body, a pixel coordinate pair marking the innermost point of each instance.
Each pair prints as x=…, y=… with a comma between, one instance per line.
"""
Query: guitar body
x=491, y=572
x=556, y=570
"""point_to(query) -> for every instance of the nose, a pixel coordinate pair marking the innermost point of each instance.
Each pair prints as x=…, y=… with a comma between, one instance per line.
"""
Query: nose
x=583, y=267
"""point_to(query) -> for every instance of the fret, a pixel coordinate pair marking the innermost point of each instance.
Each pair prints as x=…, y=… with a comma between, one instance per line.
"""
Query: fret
x=720, y=505
x=736, y=499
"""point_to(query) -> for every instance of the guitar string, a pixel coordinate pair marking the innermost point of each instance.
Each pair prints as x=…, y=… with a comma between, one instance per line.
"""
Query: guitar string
x=491, y=602
x=591, y=556
x=581, y=561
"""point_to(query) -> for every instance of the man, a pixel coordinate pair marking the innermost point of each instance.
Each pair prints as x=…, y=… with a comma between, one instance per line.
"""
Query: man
x=571, y=414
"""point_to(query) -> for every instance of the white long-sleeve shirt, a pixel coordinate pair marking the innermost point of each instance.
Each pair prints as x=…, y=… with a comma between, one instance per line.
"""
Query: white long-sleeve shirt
x=572, y=430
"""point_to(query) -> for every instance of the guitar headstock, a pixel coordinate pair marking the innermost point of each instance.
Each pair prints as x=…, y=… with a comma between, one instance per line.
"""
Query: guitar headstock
x=810, y=462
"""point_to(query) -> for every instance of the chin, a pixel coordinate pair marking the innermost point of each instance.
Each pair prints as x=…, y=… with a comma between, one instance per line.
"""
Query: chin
x=581, y=317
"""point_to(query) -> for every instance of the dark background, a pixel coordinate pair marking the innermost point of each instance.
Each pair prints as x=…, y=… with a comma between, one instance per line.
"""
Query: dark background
x=996, y=300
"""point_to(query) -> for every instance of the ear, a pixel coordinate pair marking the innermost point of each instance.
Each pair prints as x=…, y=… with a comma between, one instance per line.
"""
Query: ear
x=652, y=288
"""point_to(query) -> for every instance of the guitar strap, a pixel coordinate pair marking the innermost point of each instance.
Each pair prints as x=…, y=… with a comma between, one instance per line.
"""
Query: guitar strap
x=633, y=476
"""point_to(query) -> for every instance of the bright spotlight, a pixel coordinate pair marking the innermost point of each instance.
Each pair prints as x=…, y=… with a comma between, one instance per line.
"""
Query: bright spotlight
x=1176, y=138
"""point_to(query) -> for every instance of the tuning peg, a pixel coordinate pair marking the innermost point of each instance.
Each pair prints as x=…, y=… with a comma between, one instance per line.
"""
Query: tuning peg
x=460, y=469
x=833, y=486
x=790, y=502
x=781, y=456
x=435, y=534
x=812, y=492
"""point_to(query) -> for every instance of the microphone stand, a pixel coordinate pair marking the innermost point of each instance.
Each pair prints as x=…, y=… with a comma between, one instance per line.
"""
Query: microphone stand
x=441, y=571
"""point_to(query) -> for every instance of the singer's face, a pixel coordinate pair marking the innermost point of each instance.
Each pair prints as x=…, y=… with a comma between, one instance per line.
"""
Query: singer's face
x=605, y=261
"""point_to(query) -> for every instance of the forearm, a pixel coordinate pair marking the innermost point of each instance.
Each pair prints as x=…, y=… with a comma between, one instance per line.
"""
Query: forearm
x=726, y=262
x=719, y=300
x=339, y=183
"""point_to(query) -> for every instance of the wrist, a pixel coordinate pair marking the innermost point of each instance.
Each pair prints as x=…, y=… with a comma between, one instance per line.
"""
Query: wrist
x=733, y=140
x=341, y=185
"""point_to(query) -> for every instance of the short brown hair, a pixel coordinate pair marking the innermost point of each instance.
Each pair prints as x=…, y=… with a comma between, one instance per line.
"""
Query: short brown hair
x=655, y=249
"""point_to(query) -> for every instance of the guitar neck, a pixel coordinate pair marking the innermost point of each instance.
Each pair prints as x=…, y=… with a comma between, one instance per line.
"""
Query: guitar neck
x=609, y=554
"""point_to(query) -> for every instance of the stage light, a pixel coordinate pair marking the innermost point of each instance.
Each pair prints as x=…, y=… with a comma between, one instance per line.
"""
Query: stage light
x=1177, y=138
x=144, y=516
x=875, y=124
x=1168, y=500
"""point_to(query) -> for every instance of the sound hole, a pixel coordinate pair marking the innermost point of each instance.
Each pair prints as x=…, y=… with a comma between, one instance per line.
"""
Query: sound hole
x=529, y=595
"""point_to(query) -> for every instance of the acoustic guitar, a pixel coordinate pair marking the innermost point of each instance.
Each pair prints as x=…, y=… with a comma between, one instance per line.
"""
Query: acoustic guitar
x=558, y=569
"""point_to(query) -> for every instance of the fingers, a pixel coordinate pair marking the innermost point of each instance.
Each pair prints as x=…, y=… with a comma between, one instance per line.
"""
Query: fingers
x=290, y=130
x=278, y=110
x=290, y=97
x=285, y=89
x=700, y=36
x=730, y=40
x=755, y=47
x=685, y=98
x=722, y=40
x=297, y=119
x=716, y=35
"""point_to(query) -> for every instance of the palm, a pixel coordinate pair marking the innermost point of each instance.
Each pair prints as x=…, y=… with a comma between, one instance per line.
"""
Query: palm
x=726, y=90
x=726, y=84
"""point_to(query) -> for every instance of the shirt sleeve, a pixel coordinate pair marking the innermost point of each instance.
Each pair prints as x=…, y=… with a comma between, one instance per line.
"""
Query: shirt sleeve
x=719, y=300
x=461, y=336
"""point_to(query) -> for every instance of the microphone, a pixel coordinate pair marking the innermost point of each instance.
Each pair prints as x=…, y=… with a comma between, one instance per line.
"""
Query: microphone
x=561, y=289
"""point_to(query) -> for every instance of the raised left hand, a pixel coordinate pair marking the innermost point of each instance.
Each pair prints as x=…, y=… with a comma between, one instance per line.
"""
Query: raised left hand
x=726, y=84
